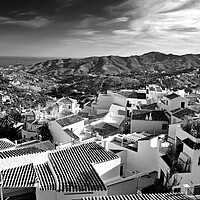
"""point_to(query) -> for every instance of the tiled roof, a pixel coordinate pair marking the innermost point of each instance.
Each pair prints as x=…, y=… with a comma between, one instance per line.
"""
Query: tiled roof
x=155, y=196
x=23, y=176
x=45, y=176
x=156, y=115
x=172, y=96
x=152, y=106
x=68, y=120
x=65, y=100
x=19, y=152
x=44, y=145
x=83, y=114
x=181, y=114
x=137, y=95
x=71, y=134
x=5, y=143
x=73, y=167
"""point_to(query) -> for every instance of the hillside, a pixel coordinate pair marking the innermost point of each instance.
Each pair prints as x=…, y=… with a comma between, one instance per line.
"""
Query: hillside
x=113, y=65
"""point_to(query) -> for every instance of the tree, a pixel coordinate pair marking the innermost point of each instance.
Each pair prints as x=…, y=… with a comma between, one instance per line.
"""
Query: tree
x=44, y=132
x=7, y=129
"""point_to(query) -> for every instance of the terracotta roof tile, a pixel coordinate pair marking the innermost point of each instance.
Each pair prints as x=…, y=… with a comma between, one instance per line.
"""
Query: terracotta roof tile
x=155, y=196
x=22, y=176
x=74, y=170
x=4, y=144
x=19, y=152
x=45, y=176
x=172, y=96
x=68, y=120
x=181, y=114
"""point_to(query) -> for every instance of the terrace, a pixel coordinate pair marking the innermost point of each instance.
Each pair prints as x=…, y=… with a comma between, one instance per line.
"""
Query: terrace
x=129, y=141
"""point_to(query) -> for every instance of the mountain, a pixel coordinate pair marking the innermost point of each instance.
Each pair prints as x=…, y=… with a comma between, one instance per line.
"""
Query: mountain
x=151, y=62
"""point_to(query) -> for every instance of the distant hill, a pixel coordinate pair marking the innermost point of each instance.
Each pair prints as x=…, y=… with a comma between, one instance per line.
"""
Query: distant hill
x=152, y=61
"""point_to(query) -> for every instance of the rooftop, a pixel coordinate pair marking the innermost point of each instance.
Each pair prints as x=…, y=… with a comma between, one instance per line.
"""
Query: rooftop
x=19, y=152
x=65, y=100
x=68, y=120
x=156, y=115
x=181, y=114
x=71, y=134
x=137, y=95
x=156, y=196
x=152, y=106
x=172, y=96
x=47, y=180
x=5, y=144
x=74, y=170
x=22, y=176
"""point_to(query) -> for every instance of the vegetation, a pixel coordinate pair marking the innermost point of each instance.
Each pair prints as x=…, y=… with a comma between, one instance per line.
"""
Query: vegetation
x=8, y=130
x=191, y=126
x=44, y=132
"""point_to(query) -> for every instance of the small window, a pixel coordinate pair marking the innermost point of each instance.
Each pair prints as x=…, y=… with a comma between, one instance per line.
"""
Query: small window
x=199, y=161
x=196, y=190
x=69, y=107
x=164, y=126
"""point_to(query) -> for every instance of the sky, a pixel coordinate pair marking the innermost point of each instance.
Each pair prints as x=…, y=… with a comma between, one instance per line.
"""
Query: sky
x=82, y=28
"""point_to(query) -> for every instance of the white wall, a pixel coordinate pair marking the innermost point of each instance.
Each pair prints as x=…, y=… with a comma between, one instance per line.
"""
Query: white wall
x=145, y=159
x=58, y=135
x=45, y=195
x=104, y=101
x=77, y=128
x=118, y=99
x=135, y=101
x=108, y=170
x=172, y=133
x=152, y=127
x=174, y=103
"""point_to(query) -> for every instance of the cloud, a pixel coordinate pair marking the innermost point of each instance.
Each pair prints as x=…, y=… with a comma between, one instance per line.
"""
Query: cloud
x=174, y=6
x=36, y=22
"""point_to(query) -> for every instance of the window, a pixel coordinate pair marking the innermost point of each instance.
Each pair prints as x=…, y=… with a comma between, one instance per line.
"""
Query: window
x=69, y=107
x=121, y=170
x=182, y=104
x=199, y=161
x=164, y=126
x=196, y=189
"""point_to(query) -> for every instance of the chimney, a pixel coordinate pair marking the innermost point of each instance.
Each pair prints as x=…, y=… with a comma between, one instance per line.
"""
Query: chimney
x=15, y=143
x=150, y=117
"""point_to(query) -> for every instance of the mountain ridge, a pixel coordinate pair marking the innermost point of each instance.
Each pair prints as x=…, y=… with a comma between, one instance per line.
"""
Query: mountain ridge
x=114, y=65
